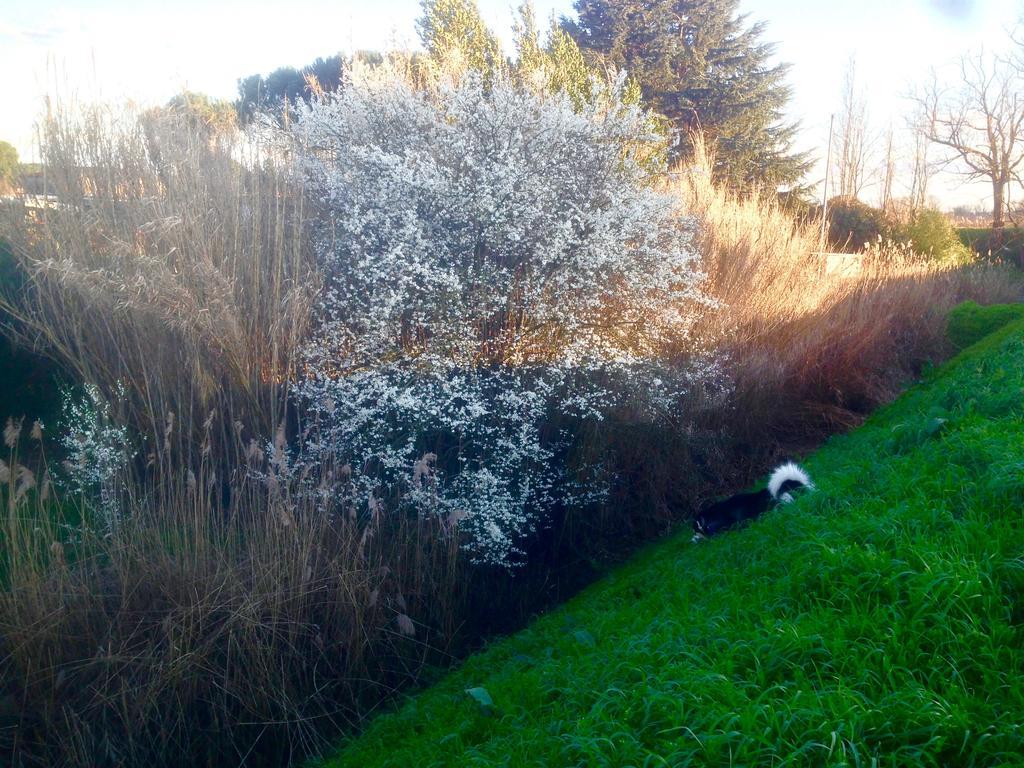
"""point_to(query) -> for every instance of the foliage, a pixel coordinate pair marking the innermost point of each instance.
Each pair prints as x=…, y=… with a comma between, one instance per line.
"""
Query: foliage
x=229, y=618
x=28, y=382
x=1006, y=244
x=98, y=451
x=853, y=225
x=8, y=166
x=455, y=28
x=287, y=86
x=969, y=322
x=490, y=253
x=704, y=69
x=931, y=233
x=808, y=637
x=530, y=54
x=457, y=38
x=207, y=115
x=558, y=65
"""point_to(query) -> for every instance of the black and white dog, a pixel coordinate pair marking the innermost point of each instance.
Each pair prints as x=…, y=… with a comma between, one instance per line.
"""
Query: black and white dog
x=785, y=479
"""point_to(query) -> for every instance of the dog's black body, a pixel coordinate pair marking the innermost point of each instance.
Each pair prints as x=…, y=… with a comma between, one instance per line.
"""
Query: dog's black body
x=746, y=506
x=736, y=509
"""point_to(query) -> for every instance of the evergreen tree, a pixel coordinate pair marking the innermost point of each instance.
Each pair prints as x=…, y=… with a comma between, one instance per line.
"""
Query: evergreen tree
x=456, y=25
x=558, y=64
x=703, y=67
x=530, y=55
x=567, y=69
x=286, y=86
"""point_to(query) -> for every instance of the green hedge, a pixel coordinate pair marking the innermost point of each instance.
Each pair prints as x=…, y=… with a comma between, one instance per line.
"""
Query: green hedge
x=980, y=240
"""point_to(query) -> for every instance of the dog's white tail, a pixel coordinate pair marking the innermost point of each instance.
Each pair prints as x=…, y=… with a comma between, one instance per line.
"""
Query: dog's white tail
x=787, y=472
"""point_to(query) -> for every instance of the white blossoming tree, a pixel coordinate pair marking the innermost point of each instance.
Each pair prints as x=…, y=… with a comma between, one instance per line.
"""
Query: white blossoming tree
x=492, y=255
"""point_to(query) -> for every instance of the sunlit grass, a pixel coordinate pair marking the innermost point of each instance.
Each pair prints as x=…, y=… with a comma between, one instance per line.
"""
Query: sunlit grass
x=878, y=619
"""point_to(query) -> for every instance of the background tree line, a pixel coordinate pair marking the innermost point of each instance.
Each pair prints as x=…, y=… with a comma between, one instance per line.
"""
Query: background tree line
x=968, y=120
x=700, y=65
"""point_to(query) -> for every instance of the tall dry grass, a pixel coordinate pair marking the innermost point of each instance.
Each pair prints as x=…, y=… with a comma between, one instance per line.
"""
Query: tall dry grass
x=173, y=266
x=224, y=621
x=808, y=351
x=816, y=343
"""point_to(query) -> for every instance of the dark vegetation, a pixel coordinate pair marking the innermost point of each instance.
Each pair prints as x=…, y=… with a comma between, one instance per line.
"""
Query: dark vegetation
x=855, y=225
x=273, y=93
x=1006, y=245
x=29, y=382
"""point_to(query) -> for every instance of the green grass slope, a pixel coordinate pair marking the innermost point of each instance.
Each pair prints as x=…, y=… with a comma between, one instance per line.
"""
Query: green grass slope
x=877, y=621
x=970, y=322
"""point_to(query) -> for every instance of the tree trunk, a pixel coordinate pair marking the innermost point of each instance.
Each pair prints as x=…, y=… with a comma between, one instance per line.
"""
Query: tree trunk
x=998, y=223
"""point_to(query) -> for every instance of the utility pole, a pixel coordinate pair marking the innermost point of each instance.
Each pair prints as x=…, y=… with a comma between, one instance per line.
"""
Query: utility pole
x=824, y=189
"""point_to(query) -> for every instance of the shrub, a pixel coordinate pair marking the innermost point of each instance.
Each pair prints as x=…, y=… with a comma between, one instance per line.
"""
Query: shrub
x=98, y=450
x=1006, y=246
x=853, y=224
x=492, y=256
x=931, y=233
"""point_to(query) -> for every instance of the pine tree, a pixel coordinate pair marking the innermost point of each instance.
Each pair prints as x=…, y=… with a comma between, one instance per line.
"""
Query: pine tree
x=568, y=70
x=703, y=67
x=557, y=62
x=530, y=55
x=448, y=26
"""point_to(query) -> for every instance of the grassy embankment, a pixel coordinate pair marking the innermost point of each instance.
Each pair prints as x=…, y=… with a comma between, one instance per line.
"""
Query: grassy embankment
x=879, y=618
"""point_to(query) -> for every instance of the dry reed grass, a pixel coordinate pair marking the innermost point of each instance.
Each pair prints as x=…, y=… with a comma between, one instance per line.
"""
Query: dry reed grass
x=226, y=622
x=808, y=352
x=223, y=620
x=173, y=265
x=819, y=348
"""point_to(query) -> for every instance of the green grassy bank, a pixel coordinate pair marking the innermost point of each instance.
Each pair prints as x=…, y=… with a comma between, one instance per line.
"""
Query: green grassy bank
x=877, y=621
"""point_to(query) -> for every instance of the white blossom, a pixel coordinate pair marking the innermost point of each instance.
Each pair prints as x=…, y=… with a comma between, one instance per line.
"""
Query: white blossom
x=492, y=257
x=98, y=450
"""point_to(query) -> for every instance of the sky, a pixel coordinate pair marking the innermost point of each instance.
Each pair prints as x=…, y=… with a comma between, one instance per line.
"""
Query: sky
x=147, y=51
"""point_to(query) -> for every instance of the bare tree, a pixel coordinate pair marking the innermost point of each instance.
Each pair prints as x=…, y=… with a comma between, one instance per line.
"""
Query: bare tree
x=853, y=144
x=980, y=124
x=920, y=170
